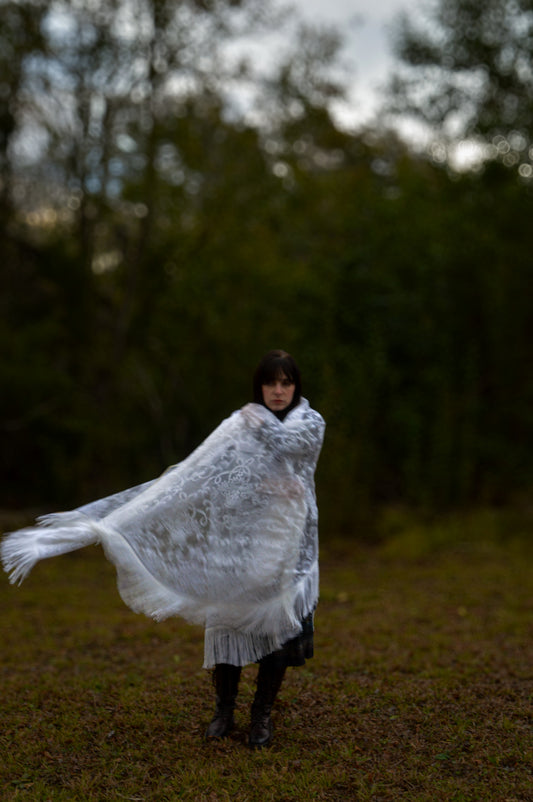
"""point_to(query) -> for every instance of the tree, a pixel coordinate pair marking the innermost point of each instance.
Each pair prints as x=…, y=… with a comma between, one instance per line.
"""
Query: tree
x=118, y=102
x=183, y=239
x=468, y=72
x=21, y=42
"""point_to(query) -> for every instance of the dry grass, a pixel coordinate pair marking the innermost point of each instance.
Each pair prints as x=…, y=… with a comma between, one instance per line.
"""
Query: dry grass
x=421, y=689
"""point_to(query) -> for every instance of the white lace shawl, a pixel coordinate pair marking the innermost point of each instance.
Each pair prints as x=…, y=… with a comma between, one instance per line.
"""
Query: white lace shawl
x=227, y=538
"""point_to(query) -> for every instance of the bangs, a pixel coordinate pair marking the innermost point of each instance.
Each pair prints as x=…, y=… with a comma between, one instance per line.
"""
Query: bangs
x=278, y=370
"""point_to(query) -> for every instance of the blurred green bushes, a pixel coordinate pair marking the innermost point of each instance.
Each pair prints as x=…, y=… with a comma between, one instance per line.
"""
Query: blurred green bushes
x=153, y=252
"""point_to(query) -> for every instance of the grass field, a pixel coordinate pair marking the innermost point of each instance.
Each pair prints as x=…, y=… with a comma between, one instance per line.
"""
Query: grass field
x=421, y=688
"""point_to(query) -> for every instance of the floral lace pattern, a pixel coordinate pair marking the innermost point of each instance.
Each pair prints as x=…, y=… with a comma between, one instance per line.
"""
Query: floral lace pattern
x=227, y=538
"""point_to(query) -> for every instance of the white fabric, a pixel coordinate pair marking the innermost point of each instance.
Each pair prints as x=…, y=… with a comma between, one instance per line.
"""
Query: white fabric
x=227, y=538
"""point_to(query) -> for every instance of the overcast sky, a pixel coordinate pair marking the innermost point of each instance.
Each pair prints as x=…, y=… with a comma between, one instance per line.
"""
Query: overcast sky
x=365, y=24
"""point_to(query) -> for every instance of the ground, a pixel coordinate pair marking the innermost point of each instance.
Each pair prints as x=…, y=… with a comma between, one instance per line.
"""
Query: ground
x=421, y=688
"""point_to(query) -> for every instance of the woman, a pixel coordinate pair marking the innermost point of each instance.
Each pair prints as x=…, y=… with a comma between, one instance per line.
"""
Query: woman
x=227, y=538
x=277, y=387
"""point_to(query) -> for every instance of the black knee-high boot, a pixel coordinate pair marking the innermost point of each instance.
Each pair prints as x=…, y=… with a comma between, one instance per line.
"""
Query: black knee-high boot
x=269, y=679
x=226, y=681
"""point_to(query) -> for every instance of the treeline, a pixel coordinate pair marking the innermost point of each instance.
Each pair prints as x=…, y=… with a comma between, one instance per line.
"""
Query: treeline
x=155, y=244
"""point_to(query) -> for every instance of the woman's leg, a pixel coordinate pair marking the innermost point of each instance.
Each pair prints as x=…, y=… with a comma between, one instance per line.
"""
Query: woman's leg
x=269, y=678
x=226, y=681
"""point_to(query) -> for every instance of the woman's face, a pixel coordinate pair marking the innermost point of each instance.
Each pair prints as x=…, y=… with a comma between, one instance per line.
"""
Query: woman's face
x=278, y=393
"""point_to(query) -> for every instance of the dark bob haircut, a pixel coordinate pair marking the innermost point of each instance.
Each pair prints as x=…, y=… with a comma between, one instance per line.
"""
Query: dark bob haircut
x=276, y=365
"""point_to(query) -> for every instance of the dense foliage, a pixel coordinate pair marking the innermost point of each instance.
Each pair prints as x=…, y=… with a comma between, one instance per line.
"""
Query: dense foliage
x=467, y=68
x=155, y=243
